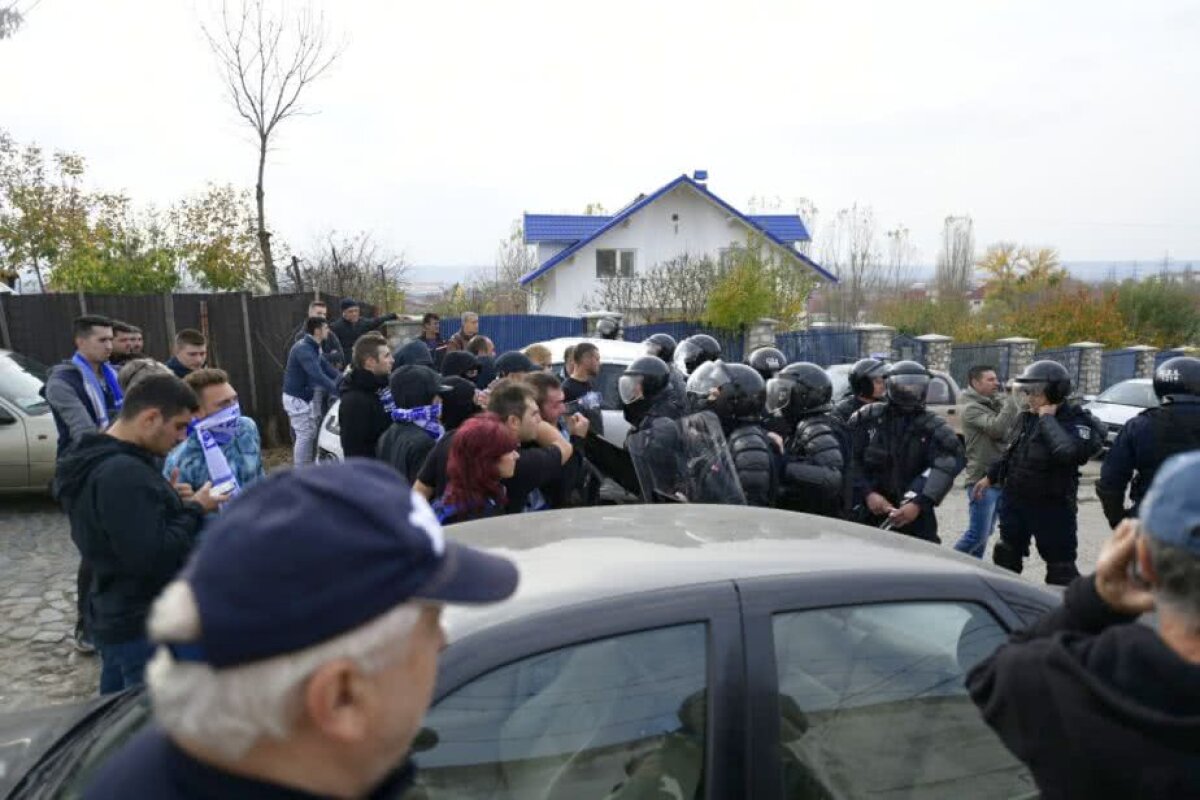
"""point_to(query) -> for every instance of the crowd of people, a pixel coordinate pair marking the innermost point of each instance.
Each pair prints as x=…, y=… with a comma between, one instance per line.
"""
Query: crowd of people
x=151, y=453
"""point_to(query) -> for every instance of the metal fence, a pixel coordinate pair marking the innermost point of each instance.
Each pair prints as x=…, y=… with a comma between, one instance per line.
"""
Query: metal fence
x=1117, y=366
x=965, y=356
x=908, y=348
x=821, y=347
x=1069, y=357
x=518, y=331
x=733, y=344
x=1163, y=355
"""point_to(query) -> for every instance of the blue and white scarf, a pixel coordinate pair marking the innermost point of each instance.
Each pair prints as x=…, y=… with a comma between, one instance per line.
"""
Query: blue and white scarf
x=214, y=432
x=424, y=417
x=95, y=392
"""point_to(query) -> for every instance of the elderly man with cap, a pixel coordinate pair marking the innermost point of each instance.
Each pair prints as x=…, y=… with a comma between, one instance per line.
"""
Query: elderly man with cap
x=353, y=325
x=297, y=651
x=1094, y=705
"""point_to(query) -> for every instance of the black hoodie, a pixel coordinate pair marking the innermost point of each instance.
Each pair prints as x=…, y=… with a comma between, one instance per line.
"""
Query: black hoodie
x=361, y=415
x=413, y=353
x=129, y=524
x=1096, y=707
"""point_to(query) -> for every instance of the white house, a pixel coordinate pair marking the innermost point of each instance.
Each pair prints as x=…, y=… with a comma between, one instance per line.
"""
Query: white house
x=683, y=217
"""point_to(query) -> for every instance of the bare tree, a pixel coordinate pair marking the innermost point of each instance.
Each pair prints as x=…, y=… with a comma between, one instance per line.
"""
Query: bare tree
x=267, y=59
x=900, y=259
x=956, y=261
x=12, y=17
x=676, y=289
x=351, y=266
x=850, y=250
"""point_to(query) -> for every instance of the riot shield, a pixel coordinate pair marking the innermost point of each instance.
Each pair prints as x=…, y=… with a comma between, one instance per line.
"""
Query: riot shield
x=685, y=461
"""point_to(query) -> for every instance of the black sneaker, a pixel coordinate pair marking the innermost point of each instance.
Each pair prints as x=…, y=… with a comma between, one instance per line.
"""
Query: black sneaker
x=82, y=642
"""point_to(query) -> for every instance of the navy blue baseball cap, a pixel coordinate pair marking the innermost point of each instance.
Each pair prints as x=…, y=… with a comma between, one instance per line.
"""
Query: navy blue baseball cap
x=1170, y=512
x=309, y=554
x=348, y=302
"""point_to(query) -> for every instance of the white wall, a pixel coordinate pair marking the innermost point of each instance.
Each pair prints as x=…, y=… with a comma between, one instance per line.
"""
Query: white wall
x=703, y=229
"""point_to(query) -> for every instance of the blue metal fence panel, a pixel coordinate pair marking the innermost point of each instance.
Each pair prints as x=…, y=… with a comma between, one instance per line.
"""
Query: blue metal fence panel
x=965, y=356
x=1163, y=355
x=1069, y=357
x=821, y=347
x=518, y=331
x=908, y=348
x=732, y=343
x=1117, y=366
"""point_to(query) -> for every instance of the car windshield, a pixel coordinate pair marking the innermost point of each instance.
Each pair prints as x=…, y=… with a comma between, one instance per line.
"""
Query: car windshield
x=1128, y=393
x=21, y=381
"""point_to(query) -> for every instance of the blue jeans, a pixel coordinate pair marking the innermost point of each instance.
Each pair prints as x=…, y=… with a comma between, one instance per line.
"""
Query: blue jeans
x=122, y=665
x=981, y=521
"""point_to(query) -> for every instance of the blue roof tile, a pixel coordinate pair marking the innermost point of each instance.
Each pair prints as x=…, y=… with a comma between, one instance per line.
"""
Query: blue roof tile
x=784, y=227
x=561, y=227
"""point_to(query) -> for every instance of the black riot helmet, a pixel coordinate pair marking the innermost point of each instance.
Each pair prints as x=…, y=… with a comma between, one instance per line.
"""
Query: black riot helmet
x=644, y=378
x=907, y=384
x=798, y=390
x=863, y=375
x=694, y=351
x=1178, y=378
x=661, y=345
x=767, y=361
x=608, y=327
x=1048, y=378
x=731, y=391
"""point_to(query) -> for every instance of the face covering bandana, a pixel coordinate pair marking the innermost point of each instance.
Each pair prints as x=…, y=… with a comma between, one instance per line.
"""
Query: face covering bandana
x=424, y=417
x=214, y=432
x=95, y=392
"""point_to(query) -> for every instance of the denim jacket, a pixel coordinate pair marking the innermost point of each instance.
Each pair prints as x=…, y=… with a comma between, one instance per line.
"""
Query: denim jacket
x=244, y=454
x=307, y=370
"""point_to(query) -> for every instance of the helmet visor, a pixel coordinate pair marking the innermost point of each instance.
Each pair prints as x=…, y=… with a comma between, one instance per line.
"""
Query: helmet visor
x=1031, y=387
x=685, y=352
x=908, y=390
x=708, y=376
x=653, y=348
x=779, y=394
x=629, y=387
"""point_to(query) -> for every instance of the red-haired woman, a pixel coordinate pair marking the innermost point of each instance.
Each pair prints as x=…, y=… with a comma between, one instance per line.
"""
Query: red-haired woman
x=483, y=453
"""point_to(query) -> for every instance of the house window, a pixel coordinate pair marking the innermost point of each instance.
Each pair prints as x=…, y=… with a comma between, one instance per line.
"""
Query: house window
x=614, y=263
x=726, y=258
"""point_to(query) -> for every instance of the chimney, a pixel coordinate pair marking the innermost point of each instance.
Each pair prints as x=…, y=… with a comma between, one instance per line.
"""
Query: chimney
x=700, y=175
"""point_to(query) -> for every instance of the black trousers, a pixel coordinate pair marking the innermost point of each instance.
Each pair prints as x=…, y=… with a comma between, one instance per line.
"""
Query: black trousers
x=1052, y=526
x=83, y=588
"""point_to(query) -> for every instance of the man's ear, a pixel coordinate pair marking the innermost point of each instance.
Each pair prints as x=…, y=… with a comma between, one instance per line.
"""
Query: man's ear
x=337, y=698
x=1145, y=563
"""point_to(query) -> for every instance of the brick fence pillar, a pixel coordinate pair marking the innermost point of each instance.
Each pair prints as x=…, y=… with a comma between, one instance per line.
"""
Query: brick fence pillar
x=400, y=331
x=1020, y=353
x=874, y=340
x=761, y=334
x=1145, y=360
x=936, y=351
x=1091, y=368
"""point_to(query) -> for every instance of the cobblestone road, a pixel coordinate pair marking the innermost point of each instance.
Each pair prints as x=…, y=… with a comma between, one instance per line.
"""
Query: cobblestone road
x=38, y=664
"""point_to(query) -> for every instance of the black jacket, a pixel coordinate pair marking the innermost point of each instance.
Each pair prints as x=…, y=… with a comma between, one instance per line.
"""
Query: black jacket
x=129, y=525
x=1042, y=464
x=405, y=446
x=893, y=449
x=845, y=408
x=361, y=416
x=754, y=459
x=413, y=353
x=348, y=332
x=814, y=468
x=1143, y=444
x=177, y=367
x=1096, y=708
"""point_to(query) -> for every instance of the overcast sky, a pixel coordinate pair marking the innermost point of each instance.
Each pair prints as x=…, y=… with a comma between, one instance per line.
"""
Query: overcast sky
x=1065, y=123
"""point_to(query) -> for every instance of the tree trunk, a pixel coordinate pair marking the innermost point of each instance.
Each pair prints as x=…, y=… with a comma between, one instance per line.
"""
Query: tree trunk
x=264, y=238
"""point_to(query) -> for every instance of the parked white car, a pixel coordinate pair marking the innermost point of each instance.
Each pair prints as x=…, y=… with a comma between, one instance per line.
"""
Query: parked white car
x=1120, y=403
x=28, y=437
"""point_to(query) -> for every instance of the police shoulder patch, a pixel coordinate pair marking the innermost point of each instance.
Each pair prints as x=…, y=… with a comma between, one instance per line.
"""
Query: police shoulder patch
x=1085, y=431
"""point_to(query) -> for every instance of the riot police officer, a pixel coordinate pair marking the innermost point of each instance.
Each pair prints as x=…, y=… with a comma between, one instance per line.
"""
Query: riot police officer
x=866, y=386
x=608, y=328
x=662, y=345
x=814, y=470
x=1153, y=436
x=904, y=457
x=1039, y=473
x=643, y=390
x=694, y=351
x=767, y=362
x=737, y=395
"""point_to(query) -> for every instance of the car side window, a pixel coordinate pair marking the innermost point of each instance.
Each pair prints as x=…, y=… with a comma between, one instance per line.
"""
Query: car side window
x=615, y=719
x=873, y=703
x=939, y=392
x=606, y=385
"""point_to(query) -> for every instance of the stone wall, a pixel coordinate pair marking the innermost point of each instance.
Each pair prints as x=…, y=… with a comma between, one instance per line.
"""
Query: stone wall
x=937, y=351
x=1091, y=368
x=1145, y=360
x=1020, y=354
x=761, y=334
x=874, y=339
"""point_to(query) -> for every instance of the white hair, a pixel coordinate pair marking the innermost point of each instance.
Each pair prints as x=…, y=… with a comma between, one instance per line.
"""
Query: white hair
x=228, y=710
x=467, y=316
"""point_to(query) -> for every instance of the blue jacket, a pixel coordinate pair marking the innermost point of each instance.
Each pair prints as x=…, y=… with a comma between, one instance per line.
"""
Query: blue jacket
x=1143, y=444
x=244, y=454
x=306, y=370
